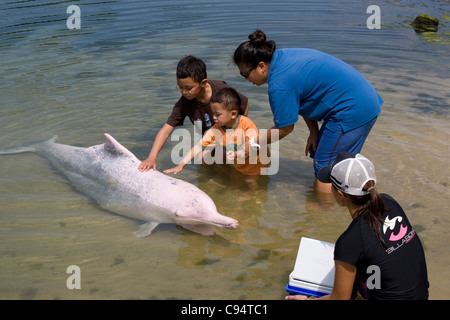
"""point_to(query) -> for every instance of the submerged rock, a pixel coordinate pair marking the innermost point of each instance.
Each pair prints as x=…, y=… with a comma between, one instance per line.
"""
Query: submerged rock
x=425, y=23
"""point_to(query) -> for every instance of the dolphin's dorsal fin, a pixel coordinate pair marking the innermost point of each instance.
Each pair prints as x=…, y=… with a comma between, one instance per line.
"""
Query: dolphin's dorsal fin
x=112, y=145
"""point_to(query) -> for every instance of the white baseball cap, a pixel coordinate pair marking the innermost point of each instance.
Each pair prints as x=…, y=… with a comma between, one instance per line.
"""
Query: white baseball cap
x=349, y=173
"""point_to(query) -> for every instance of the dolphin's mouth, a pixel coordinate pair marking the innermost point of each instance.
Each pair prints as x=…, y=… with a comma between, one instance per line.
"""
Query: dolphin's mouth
x=228, y=225
x=232, y=225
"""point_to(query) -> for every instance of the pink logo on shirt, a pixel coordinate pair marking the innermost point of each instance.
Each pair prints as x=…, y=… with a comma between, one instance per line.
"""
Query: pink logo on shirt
x=390, y=224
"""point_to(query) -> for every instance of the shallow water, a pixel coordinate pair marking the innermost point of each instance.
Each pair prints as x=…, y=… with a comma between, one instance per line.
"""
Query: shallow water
x=117, y=74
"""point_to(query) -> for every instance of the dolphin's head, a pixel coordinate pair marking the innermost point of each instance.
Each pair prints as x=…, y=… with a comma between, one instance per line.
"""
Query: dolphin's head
x=200, y=209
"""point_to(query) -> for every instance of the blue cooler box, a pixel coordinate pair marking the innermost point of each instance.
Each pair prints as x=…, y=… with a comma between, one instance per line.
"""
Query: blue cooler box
x=313, y=273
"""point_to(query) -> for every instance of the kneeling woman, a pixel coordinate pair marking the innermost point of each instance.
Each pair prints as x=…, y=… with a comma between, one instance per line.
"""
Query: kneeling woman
x=380, y=235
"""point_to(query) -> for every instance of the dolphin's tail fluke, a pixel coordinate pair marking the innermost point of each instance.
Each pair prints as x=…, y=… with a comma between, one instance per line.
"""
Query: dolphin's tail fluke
x=28, y=148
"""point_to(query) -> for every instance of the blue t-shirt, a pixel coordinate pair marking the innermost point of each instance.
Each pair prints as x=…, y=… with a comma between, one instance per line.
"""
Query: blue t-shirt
x=320, y=87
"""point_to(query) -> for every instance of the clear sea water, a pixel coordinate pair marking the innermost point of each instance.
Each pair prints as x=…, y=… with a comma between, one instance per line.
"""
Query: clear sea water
x=117, y=75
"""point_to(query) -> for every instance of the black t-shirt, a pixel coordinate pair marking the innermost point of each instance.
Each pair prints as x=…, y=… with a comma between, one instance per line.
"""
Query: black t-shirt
x=401, y=262
x=197, y=111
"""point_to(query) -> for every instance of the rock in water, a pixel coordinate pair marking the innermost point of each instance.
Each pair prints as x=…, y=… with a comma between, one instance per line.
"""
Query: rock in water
x=425, y=23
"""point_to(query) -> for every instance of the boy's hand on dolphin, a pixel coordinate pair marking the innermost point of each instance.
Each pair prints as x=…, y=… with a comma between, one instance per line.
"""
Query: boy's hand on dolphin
x=175, y=170
x=146, y=165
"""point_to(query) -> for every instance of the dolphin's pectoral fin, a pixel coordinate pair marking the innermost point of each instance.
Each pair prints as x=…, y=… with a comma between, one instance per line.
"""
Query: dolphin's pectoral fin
x=146, y=229
x=203, y=229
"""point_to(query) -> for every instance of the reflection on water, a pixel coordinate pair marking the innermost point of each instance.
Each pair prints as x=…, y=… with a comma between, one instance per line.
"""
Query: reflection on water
x=117, y=74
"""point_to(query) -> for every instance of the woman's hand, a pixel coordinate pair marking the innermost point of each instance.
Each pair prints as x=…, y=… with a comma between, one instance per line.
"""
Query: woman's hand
x=311, y=143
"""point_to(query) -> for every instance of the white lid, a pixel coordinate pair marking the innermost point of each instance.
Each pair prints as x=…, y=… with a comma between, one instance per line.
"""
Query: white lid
x=315, y=262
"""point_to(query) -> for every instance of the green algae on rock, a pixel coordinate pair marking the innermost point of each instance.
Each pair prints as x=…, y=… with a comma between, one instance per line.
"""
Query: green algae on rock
x=425, y=23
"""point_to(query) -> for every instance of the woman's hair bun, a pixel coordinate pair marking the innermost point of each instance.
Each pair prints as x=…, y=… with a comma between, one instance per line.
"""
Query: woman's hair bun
x=252, y=52
x=257, y=38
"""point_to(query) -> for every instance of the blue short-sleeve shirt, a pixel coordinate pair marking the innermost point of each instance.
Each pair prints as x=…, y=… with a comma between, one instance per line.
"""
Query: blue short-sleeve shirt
x=320, y=87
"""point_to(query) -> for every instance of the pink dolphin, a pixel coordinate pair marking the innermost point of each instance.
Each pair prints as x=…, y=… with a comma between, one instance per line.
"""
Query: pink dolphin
x=108, y=173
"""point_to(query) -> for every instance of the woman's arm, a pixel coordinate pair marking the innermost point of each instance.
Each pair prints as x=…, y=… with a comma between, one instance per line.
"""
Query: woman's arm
x=344, y=278
x=272, y=135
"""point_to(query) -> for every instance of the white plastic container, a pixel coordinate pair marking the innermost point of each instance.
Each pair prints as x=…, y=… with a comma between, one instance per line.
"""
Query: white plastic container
x=313, y=273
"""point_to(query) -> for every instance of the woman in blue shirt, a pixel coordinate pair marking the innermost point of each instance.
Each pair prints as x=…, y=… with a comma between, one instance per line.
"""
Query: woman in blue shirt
x=317, y=86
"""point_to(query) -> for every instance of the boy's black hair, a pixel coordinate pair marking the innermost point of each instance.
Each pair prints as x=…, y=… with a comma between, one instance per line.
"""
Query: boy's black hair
x=228, y=97
x=193, y=67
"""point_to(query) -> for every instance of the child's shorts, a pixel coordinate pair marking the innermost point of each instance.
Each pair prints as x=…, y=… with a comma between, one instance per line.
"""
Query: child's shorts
x=331, y=143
